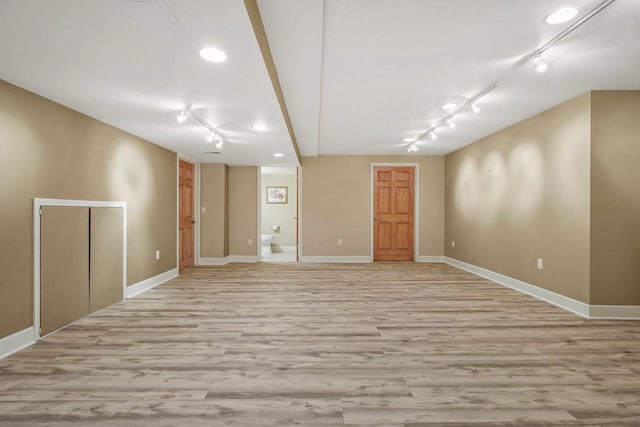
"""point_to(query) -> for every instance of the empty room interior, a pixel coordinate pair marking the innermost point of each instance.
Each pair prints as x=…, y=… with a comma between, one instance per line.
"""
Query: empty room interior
x=320, y=212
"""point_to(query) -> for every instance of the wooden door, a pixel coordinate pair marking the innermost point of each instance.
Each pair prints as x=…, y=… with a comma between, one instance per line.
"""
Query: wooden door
x=64, y=266
x=105, y=254
x=393, y=214
x=185, y=219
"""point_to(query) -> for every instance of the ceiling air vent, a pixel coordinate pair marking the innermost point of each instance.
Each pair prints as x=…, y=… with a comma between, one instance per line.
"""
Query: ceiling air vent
x=212, y=152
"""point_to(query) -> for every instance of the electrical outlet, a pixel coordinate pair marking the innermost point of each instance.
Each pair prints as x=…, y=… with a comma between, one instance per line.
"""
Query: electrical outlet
x=203, y=209
x=453, y=243
x=540, y=264
x=157, y=254
x=339, y=242
x=250, y=242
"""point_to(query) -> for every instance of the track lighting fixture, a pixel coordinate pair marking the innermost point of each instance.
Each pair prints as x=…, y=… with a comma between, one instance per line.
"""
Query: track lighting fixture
x=448, y=119
x=219, y=144
x=535, y=56
x=213, y=132
x=412, y=148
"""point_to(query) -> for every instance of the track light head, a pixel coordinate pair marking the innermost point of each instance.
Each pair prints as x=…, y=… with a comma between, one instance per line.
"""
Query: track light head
x=219, y=144
x=541, y=66
x=211, y=136
x=432, y=135
x=412, y=148
x=539, y=63
x=451, y=123
x=475, y=108
x=182, y=117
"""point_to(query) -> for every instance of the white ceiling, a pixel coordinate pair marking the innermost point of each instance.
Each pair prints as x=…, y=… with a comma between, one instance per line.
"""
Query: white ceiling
x=389, y=65
x=358, y=76
x=101, y=59
x=278, y=171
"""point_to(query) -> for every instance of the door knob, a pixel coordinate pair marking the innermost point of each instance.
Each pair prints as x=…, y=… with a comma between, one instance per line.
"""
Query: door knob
x=193, y=222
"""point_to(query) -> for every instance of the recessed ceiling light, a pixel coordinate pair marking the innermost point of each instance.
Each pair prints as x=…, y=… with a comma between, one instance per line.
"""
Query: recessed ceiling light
x=561, y=15
x=213, y=54
x=278, y=155
x=450, y=106
x=260, y=127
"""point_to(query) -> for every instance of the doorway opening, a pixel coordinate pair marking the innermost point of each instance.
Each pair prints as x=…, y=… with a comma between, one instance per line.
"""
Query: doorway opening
x=279, y=214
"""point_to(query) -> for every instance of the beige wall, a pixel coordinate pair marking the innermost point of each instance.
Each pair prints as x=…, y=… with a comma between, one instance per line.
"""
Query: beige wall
x=283, y=215
x=523, y=194
x=336, y=204
x=615, y=198
x=243, y=210
x=214, y=221
x=47, y=150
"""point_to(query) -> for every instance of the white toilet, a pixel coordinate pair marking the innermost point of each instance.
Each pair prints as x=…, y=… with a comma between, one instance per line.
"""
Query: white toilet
x=266, y=244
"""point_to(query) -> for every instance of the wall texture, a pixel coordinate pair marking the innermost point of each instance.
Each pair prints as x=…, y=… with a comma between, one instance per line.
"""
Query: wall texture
x=50, y=151
x=214, y=222
x=243, y=210
x=336, y=204
x=615, y=198
x=283, y=215
x=523, y=194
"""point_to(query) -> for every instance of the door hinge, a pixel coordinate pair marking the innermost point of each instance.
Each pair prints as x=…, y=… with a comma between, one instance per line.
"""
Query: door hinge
x=39, y=331
x=39, y=211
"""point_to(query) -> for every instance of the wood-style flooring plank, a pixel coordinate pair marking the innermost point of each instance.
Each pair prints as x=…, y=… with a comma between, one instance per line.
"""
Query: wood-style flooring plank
x=386, y=344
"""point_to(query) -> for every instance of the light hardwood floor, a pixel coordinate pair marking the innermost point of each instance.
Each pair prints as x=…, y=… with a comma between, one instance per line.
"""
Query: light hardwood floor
x=385, y=344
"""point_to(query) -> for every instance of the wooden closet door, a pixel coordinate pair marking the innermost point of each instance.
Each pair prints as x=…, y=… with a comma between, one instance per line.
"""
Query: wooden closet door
x=186, y=214
x=64, y=266
x=106, y=269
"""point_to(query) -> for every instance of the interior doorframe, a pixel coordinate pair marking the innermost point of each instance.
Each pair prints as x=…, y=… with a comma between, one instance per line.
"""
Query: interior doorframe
x=40, y=202
x=298, y=195
x=258, y=241
x=196, y=209
x=416, y=205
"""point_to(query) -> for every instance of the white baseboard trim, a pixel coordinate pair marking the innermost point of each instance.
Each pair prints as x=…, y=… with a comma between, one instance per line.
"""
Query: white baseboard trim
x=228, y=259
x=149, y=283
x=243, y=258
x=431, y=258
x=287, y=249
x=349, y=259
x=578, y=307
x=614, y=312
x=214, y=261
x=17, y=341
